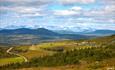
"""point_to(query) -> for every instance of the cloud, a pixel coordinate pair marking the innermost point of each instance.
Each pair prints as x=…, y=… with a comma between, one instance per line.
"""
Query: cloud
x=110, y=2
x=107, y=10
x=75, y=10
x=21, y=9
x=68, y=14
x=24, y=11
x=32, y=15
x=76, y=1
x=27, y=2
x=47, y=1
x=64, y=12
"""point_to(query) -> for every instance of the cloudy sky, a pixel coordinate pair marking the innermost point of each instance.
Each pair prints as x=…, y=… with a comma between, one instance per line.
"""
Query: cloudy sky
x=75, y=15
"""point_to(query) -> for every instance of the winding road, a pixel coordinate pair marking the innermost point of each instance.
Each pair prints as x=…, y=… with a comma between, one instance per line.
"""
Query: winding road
x=9, y=51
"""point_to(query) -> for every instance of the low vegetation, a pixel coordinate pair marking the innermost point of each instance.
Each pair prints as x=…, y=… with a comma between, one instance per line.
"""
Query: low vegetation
x=92, y=53
x=4, y=54
x=70, y=57
x=5, y=61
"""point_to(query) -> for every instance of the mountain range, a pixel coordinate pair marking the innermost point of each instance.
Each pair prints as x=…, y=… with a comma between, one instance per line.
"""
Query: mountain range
x=25, y=36
x=102, y=32
x=39, y=31
x=90, y=33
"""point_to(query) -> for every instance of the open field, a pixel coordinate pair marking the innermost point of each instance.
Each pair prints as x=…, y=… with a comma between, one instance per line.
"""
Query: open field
x=40, y=53
x=5, y=61
x=50, y=48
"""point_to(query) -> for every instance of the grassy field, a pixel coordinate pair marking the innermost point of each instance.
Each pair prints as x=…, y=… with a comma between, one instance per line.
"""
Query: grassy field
x=65, y=45
x=31, y=51
x=39, y=53
x=49, y=48
x=5, y=61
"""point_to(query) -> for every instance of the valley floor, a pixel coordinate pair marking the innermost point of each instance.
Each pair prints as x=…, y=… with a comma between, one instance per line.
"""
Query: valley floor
x=93, y=54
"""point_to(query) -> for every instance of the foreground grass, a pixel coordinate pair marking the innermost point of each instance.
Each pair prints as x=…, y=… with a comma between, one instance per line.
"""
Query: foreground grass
x=5, y=61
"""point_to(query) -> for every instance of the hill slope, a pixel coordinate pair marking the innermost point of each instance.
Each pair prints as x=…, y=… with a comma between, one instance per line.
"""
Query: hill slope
x=26, y=36
x=102, y=32
x=93, y=54
x=86, y=32
x=39, y=31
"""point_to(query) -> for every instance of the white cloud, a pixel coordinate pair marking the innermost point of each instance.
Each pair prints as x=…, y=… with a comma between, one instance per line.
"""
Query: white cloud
x=32, y=15
x=47, y=1
x=76, y=8
x=24, y=11
x=108, y=10
x=76, y=1
x=24, y=1
x=110, y=2
x=64, y=12
x=76, y=17
x=21, y=9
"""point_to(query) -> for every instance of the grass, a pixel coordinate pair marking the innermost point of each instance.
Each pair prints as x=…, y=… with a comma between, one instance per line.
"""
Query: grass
x=5, y=61
x=31, y=51
x=67, y=45
x=39, y=50
x=39, y=53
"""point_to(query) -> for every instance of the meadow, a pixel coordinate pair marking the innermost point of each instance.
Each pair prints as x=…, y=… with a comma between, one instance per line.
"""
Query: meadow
x=5, y=61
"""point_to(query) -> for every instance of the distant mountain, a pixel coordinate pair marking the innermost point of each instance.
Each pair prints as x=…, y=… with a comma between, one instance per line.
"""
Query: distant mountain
x=96, y=32
x=64, y=32
x=39, y=31
x=33, y=36
x=102, y=32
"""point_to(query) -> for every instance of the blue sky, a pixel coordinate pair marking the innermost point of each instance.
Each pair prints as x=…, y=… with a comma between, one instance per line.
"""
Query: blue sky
x=75, y=15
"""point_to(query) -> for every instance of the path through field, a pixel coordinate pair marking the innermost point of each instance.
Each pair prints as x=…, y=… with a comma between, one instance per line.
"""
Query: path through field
x=9, y=51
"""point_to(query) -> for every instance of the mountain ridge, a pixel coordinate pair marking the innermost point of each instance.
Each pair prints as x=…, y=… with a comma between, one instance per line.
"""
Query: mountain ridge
x=95, y=32
x=40, y=31
x=33, y=36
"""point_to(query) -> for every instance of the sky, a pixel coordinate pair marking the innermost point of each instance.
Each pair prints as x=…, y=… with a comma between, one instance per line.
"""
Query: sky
x=74, y=15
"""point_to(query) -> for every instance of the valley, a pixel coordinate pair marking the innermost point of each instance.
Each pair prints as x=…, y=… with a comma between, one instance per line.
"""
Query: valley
x=97, y=53
x=25, y=36
x=57, y=34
